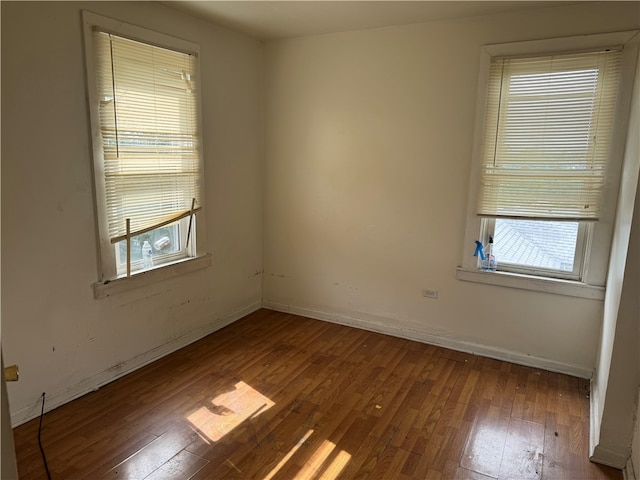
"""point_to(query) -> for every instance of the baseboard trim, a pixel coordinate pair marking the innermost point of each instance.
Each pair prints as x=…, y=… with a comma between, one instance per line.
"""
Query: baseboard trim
x=93, y=383
x=598, y=454
x=629, y=472
x=424, y=337
x=608, y=458
x=594, y=422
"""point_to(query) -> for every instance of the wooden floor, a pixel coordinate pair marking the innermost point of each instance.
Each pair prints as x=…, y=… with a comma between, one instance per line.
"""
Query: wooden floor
x=276, y=396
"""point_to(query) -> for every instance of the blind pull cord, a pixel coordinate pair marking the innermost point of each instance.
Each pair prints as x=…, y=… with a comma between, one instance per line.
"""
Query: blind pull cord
x=128, y=247
x=193, y=205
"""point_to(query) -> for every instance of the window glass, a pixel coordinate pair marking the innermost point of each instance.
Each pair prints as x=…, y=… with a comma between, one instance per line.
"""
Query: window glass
x=536, y=244
x=165, y=244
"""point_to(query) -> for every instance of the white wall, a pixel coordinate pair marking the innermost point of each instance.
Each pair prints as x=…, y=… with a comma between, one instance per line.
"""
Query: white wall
x=64, y=341
x=616, y=376
x=8, y=467
x=368, y=149
x=613, y=430
x=635, y=447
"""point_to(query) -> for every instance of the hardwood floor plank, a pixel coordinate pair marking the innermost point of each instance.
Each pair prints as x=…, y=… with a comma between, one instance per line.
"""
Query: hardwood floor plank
x=260, y=437
x=383, y=467
x=485, y=446
x=183, y=465
x=466, y=388
x=274, y=396
x=559, y=460
x=375, y=454
x=594, y=471
x=454, y=429
x=463, y=473
x=523, y=451
x=152, y=456
x=96, y=459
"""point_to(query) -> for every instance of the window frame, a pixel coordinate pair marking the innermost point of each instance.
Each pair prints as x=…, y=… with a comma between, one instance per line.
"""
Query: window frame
x=597, y=241
x=107, y=254
x=583, y=240
x=182, y=226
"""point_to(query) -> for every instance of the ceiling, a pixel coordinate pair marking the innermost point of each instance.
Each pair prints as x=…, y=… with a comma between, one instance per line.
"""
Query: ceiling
x=268, y=20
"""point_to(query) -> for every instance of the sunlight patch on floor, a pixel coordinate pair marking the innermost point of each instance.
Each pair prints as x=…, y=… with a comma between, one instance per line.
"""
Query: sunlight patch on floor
x=336, y=466
x=317, y=466
x=286, y=458
x=314, y=466
x=228, y=410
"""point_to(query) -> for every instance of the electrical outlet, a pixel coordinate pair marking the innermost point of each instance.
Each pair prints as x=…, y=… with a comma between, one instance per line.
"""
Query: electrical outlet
x=430, y=293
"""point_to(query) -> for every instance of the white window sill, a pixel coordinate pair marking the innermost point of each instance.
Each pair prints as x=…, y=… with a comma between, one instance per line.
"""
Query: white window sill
x=113, y=287
x=529, y=282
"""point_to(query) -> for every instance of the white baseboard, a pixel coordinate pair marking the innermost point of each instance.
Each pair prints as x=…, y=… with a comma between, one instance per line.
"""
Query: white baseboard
x=609, y=458
x=594, y=421
x=597, y=454
x=629, y=472
x=109, y=375
x=385, y=326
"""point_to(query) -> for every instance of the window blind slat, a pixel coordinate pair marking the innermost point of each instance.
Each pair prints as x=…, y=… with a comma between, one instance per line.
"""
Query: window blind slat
x=149, y=129
x=547, y=135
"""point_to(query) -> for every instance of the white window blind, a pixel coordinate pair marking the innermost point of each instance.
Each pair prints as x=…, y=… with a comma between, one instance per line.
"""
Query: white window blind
x=547, y=135
x=149, y=132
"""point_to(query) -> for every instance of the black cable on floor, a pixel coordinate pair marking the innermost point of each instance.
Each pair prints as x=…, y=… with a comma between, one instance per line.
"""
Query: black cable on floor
x=44, y=458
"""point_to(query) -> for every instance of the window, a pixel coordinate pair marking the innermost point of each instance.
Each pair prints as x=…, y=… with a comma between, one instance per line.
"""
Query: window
x=147, y=161
x=548, y=134
x=546, y=146
x=538, y=247
x=546, y=161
